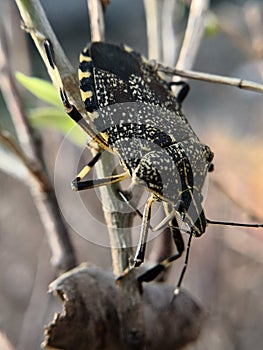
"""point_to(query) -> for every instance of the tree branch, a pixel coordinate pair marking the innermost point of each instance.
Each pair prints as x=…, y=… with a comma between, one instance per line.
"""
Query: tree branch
x=153, y=23
x=118, y=222
x=36, y=179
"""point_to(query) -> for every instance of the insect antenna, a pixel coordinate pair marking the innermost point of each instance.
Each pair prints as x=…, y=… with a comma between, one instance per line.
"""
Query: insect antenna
x=230, y=223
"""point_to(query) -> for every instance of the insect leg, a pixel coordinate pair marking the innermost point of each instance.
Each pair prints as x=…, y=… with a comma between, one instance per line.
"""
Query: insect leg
x=70, y=109
x=78, y=185
x=152, y=273
x=130, y=204
x=161, y=224
x=179, y=283
x=140, y=252
x=182, y=94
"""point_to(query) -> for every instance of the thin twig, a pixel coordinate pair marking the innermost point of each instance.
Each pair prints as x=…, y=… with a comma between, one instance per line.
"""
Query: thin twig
x=13, y=100
x=193, y=34
x=116, y=219
x=153, y=24
x=30, y=161
x=33, y=17
x=213, y=78
x=96, y=20
x=170, y=41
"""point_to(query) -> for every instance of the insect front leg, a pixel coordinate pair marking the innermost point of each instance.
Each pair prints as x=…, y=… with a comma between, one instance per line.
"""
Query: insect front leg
x=176, y=234
x=140, y=252
x=183, y=92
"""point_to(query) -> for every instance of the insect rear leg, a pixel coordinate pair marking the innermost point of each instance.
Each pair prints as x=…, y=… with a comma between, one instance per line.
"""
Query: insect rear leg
x=183, y=92
x=179, y=283
x=152, y=273
x=70, y=109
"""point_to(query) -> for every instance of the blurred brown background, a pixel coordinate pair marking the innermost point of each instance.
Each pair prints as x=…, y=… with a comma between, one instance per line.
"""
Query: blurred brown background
x=225, y=272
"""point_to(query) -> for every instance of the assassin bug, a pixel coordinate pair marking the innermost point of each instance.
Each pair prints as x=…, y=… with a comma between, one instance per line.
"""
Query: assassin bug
x=133, y=113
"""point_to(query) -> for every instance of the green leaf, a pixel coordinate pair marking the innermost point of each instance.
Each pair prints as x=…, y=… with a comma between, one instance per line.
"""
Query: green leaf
x=211, y=25
x=56, y=119
x=40, y=88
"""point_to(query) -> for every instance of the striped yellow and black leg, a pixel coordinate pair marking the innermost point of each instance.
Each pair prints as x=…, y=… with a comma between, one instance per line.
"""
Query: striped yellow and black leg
x=70, y=109
x=78, y=184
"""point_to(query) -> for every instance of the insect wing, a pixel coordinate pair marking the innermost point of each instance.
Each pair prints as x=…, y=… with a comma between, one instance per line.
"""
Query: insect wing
x=144, y=125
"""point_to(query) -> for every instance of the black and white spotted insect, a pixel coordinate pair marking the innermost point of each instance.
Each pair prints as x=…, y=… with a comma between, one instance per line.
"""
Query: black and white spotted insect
x=133, y=113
